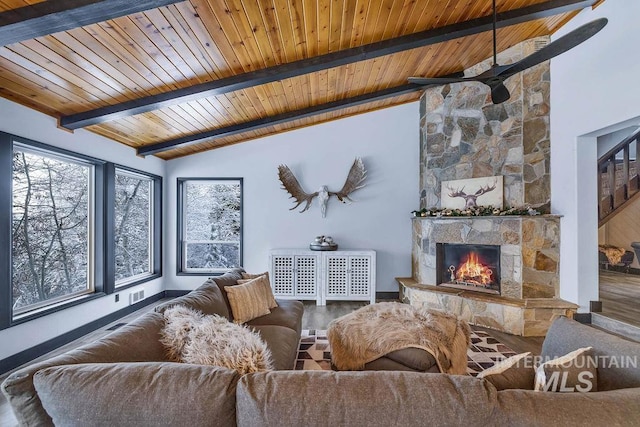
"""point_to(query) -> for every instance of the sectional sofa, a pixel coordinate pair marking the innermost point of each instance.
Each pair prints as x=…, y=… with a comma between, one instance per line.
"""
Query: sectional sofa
x=137, y=345
x=124, y=379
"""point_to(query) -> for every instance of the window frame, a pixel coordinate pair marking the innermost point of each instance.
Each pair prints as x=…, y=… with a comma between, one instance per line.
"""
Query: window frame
x=181, y=269
x=101, y=249
x=155, y=236
x=92, y=221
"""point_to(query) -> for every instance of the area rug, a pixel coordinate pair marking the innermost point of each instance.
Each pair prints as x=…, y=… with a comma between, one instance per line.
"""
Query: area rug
x=314, y=352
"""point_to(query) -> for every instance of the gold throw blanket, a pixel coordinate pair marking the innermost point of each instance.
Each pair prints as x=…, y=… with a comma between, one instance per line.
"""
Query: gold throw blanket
x=378, y=329
x=613, y=253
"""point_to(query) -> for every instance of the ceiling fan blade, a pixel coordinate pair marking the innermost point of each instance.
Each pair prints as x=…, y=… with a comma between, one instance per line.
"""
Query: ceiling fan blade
x=557, y=47
x=499, y=93
x=435, y=80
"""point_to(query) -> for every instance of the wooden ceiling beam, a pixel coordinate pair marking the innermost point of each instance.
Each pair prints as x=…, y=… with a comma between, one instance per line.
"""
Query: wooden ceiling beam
x=48, y=17
x=282, y=118
x=322, y=62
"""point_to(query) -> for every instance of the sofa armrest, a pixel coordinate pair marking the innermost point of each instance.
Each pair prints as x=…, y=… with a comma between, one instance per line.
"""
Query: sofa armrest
x=618, y=360
x=538, y=408
x=139, y=341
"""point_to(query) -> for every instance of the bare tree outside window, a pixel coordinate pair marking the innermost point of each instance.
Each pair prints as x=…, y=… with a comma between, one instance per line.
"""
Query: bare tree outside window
x=51, y=229
x=133, y=232
x=211, y=221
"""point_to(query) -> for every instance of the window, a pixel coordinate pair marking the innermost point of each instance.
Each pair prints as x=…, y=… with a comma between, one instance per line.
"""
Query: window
x=210, y=225
x=72, y=228
x=52, y=225
x=133, y=226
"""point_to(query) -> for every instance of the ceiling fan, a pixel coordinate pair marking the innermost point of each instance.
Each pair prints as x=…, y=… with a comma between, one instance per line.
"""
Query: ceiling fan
x=497, y=74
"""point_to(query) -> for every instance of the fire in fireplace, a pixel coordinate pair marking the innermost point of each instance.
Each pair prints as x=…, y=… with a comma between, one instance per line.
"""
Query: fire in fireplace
x=469, y=267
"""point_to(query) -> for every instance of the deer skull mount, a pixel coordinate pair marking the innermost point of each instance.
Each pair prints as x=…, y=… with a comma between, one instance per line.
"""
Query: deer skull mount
x=471, y=199
x=354, y=181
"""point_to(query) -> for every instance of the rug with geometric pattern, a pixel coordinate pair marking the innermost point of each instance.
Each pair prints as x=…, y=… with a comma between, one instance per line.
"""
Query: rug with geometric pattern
x=314, y=352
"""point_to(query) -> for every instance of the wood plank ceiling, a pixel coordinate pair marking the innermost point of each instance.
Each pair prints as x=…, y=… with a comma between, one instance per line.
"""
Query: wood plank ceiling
x=198, y=41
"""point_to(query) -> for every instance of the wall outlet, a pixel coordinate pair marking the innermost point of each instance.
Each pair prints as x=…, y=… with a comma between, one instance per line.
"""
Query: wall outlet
x=136, y=296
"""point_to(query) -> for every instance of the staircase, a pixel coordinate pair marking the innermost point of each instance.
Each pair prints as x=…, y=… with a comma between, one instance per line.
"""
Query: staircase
x=618, y=181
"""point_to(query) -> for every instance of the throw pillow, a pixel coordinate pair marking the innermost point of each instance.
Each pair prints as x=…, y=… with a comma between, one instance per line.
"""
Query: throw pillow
x=192, y=337
x=516, y=372
x=253, y=276
x=247, y=301
x=266, y=288
x=575, y=371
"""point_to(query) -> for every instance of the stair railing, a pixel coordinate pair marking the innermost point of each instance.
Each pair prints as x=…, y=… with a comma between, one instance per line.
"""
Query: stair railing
x=614, y=173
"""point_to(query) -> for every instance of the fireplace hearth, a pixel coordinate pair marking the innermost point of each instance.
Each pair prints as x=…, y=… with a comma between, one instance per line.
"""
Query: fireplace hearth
x=469, y=267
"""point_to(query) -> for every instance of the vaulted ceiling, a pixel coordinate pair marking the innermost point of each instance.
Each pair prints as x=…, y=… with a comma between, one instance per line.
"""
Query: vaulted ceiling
x=175, y=78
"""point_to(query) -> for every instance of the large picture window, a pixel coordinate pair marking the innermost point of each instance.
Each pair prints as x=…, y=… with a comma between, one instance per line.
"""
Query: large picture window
x=73, y=228
x=52, y=222
x=210, y=225
x=133, y=232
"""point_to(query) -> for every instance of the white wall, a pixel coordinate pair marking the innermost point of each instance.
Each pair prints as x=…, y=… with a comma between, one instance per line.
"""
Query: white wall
x=594, y=91
x=21, y=121
x=388, y=142
x=610, y=140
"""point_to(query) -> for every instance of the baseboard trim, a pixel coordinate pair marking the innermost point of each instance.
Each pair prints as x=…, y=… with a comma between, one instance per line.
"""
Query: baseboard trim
x=625, y=270
x=36, y=351
x=582, y=318
x=388, y=295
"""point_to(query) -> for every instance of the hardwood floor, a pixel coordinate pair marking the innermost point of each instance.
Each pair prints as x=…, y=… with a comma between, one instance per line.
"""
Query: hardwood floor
x=314, y=317
x=620, y=296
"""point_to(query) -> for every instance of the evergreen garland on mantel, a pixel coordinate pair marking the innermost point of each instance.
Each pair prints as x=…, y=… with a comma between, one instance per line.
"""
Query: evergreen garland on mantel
x=476, y=211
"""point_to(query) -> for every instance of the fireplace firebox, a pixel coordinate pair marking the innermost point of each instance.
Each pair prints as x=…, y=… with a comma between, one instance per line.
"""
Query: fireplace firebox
x=469, y=267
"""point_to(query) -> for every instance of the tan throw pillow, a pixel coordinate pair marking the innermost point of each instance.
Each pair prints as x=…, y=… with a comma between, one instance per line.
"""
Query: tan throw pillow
x=575, y=371
x=516, y=372
x=253, y=276
x=265, y=286
x=247, y=301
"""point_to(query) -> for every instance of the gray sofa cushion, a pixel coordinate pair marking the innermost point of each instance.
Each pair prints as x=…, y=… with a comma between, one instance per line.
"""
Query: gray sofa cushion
x=288, y=313
x=207, y=298
x=138, y=341
x=364, y=398
x=138, y=394
x=410, y=359
x=614, y=354
x=539, y=408
x=283, y=343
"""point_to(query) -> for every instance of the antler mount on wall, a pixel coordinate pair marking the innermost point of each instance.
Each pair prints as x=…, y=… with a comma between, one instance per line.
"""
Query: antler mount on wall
x=354, y=181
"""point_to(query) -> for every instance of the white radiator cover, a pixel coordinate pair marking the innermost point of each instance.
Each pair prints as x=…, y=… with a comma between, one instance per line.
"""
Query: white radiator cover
x=302, y=274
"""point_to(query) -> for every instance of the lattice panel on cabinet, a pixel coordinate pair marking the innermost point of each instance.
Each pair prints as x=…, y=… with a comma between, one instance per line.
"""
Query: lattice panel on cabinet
x=305, y=275
x=360, y=276
x=337, y=276
x=283, y=277
x=323, y=276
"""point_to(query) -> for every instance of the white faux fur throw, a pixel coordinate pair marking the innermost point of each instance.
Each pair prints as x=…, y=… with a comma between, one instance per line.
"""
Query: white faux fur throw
x=192, y=337
x=377, y=329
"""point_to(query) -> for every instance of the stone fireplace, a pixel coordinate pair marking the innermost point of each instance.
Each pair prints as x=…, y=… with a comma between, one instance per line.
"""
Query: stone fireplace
x=463, y=135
